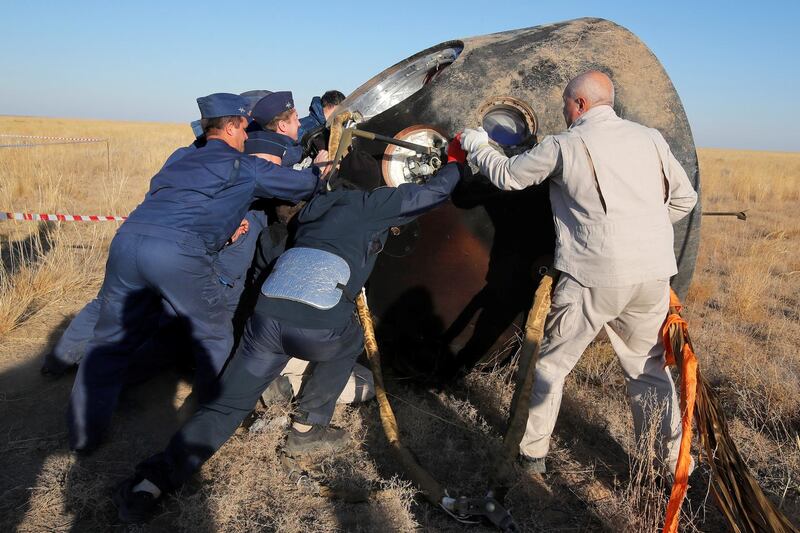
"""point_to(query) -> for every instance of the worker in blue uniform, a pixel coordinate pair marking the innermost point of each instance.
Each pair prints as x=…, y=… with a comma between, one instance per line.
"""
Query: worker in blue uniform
x=232, y=261
x=272, y=136
x=251, y=97
x=275, y=121
x=274, y=133
x=168, y=340
x=164, y=255
x=306, y=310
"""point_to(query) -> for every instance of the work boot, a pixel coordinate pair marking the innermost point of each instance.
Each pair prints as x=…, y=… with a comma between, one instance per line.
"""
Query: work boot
x=315, y=440
x=533, y=465
x=665, y=475
x=83, y=446
x=279, y=391
x=134, y=507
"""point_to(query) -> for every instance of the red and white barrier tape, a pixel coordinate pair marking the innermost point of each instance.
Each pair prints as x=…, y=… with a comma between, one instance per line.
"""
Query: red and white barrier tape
x=50, y=140
x=59, y=217
x=46, y=138
x=30, y=145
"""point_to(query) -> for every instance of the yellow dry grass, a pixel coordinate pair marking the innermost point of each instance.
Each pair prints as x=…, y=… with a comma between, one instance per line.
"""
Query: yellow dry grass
x=755, y=178
x=745, y=298
x=48, y=261
x=743, y=310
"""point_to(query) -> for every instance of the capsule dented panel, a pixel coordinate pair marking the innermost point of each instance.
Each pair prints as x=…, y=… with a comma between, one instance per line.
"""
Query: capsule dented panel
x=474, y=257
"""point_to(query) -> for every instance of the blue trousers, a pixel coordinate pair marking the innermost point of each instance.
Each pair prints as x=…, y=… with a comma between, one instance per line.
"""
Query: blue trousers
x=264, y=351
x=145, y=273
x=156, y=351
x=72, y=346
x=231, y=265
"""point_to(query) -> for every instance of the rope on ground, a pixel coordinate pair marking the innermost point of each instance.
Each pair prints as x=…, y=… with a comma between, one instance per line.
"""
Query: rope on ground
x=529, y=356
x=681, y=354
x=429, y=487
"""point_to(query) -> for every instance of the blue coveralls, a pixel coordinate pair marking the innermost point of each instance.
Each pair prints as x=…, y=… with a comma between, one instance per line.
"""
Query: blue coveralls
x=164, y=255
x=70, y=349
x=353, y=225
x=231, y=264
x=231, y=267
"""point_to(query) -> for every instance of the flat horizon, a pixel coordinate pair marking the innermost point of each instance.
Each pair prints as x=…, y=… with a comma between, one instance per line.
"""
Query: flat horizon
x=168, y=122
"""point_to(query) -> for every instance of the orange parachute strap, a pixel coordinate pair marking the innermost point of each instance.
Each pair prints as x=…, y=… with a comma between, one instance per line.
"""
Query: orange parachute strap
x=673, y=325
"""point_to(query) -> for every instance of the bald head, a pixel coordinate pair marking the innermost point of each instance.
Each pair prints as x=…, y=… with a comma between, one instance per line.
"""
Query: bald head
x=586, y=91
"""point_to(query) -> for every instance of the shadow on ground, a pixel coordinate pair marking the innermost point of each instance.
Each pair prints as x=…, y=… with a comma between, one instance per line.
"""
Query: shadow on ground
x=27, y=251
x=45, y=487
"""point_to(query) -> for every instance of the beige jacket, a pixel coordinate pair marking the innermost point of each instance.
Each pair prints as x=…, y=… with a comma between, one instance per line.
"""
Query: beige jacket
x=615, y=189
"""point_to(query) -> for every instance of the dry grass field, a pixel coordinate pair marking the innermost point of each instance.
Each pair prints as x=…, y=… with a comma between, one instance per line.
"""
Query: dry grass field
x=743, y=309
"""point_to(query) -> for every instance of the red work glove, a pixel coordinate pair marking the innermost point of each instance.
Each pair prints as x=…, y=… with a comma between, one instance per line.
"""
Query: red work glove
x=454, y=151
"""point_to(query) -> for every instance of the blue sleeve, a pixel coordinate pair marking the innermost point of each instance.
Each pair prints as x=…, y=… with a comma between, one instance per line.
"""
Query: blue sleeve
x=257, y=218
x=235, y=258
x=401, y=205
x=274, y=181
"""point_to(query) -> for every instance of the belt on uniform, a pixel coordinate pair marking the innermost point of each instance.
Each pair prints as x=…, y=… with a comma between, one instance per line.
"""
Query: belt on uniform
x=164, y=232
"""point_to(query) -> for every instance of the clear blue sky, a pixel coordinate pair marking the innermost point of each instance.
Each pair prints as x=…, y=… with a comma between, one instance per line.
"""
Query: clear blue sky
x=736, y=65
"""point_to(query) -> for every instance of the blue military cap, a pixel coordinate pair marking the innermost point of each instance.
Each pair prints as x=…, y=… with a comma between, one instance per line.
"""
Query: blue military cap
x=223, y=105
x=271, y=106
x=254, y=96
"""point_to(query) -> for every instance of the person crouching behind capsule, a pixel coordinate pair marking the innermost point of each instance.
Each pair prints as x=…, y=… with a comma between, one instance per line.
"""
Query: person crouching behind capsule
x=320, y=110
x=306, y=309
x=276, y=119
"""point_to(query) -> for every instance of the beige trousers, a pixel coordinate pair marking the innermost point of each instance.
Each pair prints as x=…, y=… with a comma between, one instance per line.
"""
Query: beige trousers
x=632, y=316
x=359, y=388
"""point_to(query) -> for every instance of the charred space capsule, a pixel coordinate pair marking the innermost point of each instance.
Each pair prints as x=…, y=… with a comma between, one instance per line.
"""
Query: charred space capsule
x=449, y=288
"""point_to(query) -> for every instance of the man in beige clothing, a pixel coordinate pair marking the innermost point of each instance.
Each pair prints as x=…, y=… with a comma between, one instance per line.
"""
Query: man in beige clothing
x=615, y=189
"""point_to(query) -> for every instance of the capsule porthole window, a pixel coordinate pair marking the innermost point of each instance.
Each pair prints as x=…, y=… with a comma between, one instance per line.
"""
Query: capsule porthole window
x=508, y=121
